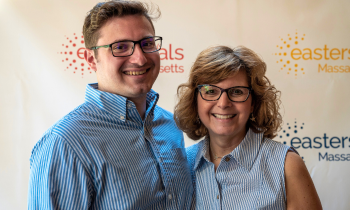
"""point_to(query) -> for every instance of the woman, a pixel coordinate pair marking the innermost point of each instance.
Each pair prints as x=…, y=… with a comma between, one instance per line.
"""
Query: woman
x=229, y=101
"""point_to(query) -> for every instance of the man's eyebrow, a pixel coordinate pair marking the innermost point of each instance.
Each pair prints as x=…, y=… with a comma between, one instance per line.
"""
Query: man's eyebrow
x=124, y=40
x=121, y=40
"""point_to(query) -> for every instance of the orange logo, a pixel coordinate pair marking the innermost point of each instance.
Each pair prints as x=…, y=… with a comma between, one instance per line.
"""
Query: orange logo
x=285, y=54
x=289, y=54
x=73, y=55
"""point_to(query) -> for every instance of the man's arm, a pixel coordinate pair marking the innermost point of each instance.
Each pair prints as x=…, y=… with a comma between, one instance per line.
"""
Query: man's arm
x=57, y=179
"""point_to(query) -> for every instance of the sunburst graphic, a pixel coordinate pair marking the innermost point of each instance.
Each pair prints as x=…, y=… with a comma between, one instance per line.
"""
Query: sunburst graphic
x=289, y=131
x=73, y=55
x=288, y=65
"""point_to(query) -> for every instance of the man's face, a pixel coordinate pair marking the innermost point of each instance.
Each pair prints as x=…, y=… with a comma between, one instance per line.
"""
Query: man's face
x=115, y=74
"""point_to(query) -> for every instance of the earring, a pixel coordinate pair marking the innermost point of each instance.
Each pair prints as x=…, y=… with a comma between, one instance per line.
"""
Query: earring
x=198, y=121
x=252, y=118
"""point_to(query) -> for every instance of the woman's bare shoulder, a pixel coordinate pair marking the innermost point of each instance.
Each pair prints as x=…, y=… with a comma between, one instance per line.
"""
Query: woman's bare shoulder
x=300, y=189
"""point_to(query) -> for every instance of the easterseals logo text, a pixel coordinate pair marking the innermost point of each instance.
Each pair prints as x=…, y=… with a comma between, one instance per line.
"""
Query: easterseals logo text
x=332, y=147
x=291, y=54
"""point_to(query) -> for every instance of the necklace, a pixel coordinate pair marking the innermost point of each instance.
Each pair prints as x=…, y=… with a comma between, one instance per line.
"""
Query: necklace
x=216, y=157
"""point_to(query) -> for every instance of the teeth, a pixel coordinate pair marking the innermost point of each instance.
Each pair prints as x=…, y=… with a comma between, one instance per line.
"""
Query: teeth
x=223, y=116
x=135, y=72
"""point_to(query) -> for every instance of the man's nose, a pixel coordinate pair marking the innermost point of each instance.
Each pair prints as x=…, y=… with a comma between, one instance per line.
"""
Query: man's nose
x=138, y=57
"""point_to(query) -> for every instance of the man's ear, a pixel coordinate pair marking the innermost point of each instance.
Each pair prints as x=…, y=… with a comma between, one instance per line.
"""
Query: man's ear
x=89, y=56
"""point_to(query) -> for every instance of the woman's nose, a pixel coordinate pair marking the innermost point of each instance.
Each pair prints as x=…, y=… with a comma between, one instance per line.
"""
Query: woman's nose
x=224, y=101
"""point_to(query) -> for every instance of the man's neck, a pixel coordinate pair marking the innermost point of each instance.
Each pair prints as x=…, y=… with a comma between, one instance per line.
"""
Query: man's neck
x=140, y=104
x=140, y=101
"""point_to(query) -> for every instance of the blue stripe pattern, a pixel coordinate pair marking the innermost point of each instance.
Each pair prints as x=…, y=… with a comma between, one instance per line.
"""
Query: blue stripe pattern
x=102, y=155
x=250, y=177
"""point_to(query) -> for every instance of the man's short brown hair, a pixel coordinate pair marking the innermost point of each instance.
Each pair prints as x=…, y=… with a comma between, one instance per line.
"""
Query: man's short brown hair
x=103, y=11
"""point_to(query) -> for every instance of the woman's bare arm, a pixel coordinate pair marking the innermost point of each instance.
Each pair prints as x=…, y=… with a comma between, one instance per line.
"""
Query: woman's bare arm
x=300, y=190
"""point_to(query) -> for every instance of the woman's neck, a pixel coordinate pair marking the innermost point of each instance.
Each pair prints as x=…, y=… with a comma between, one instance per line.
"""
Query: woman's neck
x=221, y=146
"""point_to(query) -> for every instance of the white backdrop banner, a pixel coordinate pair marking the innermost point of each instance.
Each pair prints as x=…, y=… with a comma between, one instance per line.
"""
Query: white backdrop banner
x=305, y=44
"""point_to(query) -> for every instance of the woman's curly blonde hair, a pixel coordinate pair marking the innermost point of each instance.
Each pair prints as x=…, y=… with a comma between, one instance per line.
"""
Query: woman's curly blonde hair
x=214, y=65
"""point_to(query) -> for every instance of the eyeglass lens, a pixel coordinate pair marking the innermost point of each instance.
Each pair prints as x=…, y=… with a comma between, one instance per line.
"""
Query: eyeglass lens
x=212, y=93
x=126, y=48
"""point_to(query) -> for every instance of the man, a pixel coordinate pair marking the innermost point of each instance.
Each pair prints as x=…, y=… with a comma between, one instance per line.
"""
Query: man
x=118, y=150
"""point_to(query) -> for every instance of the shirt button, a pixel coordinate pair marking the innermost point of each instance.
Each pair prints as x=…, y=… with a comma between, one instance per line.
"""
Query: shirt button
x=170, y=196
x=227, y=159
x=129, y=106
x=217, y=197
x=121, y=117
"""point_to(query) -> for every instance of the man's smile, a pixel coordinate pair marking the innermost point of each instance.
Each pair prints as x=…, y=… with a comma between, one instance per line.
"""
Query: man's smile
x=136, y=72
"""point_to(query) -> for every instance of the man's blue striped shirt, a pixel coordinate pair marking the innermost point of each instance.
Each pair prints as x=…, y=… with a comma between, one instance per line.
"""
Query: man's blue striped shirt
x=250, y=177
x=102, y=155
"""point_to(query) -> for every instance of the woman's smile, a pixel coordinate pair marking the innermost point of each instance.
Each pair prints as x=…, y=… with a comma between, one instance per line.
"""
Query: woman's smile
x=224, y=116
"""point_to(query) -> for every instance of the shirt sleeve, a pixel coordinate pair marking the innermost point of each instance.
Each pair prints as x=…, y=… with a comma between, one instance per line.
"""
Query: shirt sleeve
x=57, y=179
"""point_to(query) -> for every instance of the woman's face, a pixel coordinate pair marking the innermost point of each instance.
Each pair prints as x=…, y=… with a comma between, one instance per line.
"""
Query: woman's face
x=224, y=118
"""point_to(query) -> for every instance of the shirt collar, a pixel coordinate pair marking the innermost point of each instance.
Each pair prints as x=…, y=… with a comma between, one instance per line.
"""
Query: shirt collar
x=203, y=152
x=116, y=104
x=248, y=149
x=245, y=153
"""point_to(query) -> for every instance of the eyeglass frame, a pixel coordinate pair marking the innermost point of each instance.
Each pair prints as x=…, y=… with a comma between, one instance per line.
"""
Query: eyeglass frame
x=224, y=90
x=135, y=42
